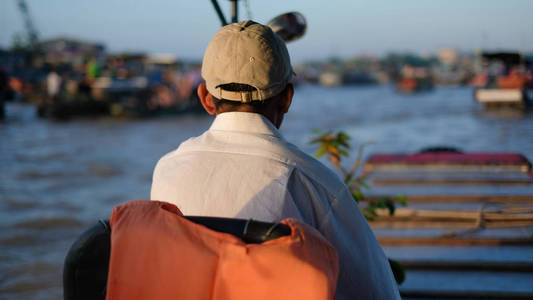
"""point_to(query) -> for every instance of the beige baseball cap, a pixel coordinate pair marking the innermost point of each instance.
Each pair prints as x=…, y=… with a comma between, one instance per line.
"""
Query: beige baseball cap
x=246, y=53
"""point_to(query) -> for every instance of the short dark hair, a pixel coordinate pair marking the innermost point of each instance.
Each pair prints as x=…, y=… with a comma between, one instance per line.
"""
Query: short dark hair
x=258, y=105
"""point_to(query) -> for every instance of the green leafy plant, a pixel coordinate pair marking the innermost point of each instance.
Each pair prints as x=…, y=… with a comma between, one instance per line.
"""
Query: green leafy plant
x=335, y=146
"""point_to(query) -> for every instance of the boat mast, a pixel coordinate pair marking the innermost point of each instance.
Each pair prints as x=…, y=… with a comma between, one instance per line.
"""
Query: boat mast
x=234, y=12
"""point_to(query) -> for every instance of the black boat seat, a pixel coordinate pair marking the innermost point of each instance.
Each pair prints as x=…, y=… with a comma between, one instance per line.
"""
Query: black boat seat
x=87, y=261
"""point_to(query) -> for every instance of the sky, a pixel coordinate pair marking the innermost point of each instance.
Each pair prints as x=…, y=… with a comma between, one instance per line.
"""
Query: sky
x=336, y=28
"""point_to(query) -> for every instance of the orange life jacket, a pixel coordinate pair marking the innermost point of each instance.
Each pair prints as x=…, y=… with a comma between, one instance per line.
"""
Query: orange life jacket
x=156, y=254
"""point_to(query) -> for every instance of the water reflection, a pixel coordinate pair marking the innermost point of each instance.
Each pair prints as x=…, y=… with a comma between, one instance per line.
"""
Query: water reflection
x=506, y=113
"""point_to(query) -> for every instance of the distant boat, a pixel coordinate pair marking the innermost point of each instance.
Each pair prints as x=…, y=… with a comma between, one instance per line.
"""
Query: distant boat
x=414, y=79
x=330, y=79
x=413, y=85
x=505, y=82
x=349, y=77
x=125, y=98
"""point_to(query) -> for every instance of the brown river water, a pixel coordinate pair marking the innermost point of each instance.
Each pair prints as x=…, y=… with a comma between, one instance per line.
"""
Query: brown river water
x=56, y=179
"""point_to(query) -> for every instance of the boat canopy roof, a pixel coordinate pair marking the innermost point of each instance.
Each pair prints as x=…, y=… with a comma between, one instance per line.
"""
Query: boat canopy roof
x=508, y=58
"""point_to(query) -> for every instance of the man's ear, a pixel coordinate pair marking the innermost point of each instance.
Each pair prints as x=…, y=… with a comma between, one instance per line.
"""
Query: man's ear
x=206, y=99
x=286, y=100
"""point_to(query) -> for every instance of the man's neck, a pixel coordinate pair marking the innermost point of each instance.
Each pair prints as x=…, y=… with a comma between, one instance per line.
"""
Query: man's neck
x=273, y=118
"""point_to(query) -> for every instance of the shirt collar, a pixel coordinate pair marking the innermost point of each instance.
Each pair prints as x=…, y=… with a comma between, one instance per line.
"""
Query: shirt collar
x=244, y=122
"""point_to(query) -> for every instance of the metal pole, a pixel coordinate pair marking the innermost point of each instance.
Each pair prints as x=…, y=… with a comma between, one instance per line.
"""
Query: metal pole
x=234, y=11
x=219, y=13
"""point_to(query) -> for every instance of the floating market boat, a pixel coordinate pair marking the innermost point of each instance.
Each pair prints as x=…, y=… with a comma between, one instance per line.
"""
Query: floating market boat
x=130, y=98
x=414, y=79
x=506, y=82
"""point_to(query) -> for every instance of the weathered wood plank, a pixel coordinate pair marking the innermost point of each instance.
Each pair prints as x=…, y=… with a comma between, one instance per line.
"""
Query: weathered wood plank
x=485, y=295
x=449, y=181
x=493, y=266
x=451, y=241
x=444, y=224
x=463, y=198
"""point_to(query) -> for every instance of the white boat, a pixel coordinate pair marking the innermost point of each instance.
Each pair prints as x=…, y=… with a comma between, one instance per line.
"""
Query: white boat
x=492, y=97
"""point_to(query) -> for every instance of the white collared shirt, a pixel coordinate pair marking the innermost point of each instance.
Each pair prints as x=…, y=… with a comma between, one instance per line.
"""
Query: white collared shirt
x=243, y=168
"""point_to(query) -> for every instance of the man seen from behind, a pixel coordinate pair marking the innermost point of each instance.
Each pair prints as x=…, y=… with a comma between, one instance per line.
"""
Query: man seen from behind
x=242, y=167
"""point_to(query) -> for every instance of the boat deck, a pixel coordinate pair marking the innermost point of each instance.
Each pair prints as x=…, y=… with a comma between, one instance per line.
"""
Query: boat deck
x=467, y=230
